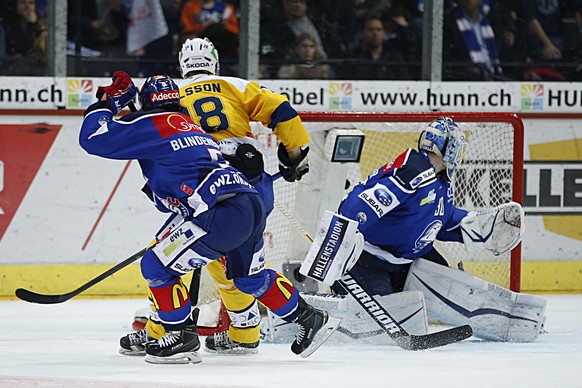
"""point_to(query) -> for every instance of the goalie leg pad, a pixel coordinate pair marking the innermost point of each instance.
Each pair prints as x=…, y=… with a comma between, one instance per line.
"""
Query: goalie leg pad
x=495, y=313
x=356, y=325
x=335, y=249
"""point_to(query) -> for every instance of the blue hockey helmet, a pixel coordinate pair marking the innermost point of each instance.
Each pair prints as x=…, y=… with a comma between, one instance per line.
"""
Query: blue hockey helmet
x=157, y=91
x=444, y=138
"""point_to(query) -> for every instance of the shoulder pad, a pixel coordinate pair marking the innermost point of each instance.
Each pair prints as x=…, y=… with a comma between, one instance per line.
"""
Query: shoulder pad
x=414, y=171
x=135, y=115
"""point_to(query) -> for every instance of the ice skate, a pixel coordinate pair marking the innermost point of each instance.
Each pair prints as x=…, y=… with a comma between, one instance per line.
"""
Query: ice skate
x=177, y=347
x=313, y=328
x=133, y=344
x=220, y=343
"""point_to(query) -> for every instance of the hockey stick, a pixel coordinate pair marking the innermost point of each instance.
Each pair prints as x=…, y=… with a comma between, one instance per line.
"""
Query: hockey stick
x=195, y=286
x=382, y=317
x=33, y=297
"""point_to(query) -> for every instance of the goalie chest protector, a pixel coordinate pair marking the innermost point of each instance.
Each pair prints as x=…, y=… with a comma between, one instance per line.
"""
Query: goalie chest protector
x=403, y=206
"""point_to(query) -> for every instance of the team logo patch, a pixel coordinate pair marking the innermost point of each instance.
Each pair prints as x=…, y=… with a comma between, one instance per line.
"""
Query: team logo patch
x=380, y=199
x=166, y=95
x=103, y=120
x=383, y=197
x=423, y=177
x=361, y=217
x=187, y=189
x=428, y=235
x=173, y=123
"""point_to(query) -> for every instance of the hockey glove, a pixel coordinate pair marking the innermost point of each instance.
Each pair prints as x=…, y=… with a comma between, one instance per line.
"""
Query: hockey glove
x=292, y=170
x=247, y=160
x=120, y=93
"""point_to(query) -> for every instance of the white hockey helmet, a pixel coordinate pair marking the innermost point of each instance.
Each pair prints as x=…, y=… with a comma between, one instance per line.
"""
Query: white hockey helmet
x=198, y=55
x=444, y=138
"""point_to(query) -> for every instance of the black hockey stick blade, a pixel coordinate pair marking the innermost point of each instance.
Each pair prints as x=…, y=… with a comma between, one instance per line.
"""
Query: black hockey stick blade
x=33, y=297
x=433, y=340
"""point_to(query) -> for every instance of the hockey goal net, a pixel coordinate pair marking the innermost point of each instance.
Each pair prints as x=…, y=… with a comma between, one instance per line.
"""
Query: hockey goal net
x=491, y=174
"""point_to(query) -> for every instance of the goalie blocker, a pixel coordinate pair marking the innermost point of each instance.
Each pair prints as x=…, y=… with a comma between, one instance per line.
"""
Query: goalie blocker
x=335, y=249
x=495, y=313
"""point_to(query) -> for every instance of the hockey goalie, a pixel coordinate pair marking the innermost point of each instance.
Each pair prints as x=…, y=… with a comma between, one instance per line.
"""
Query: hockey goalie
x=400, y=210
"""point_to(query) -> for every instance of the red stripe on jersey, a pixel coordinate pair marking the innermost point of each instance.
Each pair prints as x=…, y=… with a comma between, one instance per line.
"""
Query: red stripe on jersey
x=172, y=297
x=280, y=292
x=173, y=123
x=396, y=163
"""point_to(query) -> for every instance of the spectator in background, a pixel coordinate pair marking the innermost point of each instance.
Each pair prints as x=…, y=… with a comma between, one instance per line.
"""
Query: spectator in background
x=27, y=38
x=214, y=19
x=544, y=21
x=303, y=61
x=104, y=31
x=148, y=37
x=338, y=22
x=374, y=58
x=469, y=46
x=281, y=25
x=403, y=26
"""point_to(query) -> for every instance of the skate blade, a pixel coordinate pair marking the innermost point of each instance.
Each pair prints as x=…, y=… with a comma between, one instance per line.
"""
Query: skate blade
x=234, y=352
x=330, y=326
x=179, y=358
x=132, y=353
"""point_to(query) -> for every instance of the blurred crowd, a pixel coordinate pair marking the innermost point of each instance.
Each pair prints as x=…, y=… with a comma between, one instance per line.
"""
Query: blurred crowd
x=521, y=40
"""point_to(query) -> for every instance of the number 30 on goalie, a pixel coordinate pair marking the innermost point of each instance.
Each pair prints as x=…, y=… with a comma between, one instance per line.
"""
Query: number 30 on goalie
x=497, y=230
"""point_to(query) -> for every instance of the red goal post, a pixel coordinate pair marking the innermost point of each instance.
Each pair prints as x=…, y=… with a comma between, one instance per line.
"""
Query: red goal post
x=491, y=174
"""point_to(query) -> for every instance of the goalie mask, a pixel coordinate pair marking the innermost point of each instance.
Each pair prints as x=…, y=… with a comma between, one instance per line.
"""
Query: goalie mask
x=157, y=91
x=444, y=138
x=198, y=55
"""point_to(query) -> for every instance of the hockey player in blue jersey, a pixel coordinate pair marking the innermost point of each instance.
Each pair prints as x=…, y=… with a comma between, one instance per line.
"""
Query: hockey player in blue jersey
x=190, y=179
x=402, y=208
x=405, y=205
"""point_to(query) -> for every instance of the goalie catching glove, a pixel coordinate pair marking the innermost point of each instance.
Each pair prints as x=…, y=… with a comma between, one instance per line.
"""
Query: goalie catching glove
x=292, y=169
x=497, y=230
x=120, y=93
x=335, y=249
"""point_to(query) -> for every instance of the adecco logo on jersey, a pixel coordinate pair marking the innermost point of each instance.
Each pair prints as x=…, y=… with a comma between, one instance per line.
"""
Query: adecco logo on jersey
x=165, y=96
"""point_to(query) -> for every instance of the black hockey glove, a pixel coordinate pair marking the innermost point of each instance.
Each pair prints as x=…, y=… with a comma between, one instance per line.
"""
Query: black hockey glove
x=247, y=160
x=292, y=170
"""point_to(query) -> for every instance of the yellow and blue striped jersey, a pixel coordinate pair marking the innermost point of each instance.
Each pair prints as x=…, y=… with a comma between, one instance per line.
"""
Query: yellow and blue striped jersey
x=224, y=106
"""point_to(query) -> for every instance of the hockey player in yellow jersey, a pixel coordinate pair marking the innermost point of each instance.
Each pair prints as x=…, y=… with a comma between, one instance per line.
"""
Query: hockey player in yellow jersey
x=224, y=107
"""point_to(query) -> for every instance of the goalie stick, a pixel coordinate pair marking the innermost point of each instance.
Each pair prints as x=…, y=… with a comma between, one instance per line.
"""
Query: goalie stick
x=33, y=297
x=382, y=317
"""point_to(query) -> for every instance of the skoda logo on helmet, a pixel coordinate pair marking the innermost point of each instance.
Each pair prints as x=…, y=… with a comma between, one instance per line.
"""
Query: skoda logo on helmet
x=383, y=197
x=196, y=65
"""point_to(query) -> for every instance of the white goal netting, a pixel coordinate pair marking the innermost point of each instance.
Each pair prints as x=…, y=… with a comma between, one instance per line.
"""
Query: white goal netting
x=488, y=176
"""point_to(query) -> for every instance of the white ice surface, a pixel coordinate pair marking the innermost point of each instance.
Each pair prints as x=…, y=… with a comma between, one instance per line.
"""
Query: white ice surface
x=75, y=344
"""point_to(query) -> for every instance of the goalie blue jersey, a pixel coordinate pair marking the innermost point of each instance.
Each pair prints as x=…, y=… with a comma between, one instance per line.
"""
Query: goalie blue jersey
x=403, y=207
x=181, y=163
